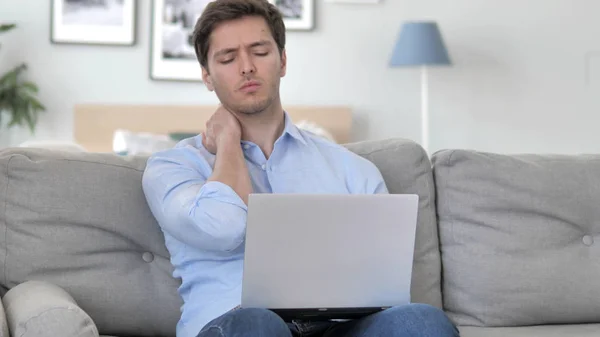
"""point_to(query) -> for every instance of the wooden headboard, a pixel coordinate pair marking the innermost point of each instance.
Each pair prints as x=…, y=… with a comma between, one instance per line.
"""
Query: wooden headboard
x=95, y=124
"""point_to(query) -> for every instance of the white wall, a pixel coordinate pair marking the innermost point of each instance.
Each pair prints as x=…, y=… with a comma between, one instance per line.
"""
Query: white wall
x=518, y=84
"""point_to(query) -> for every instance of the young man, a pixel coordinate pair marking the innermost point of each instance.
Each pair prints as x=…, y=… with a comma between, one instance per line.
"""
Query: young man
x=198, y=191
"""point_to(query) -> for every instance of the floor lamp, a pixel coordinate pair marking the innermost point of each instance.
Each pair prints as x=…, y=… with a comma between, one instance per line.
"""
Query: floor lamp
x=420, y=44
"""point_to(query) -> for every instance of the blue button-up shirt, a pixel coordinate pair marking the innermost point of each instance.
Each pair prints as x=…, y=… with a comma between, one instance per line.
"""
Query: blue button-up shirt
x=204, y=222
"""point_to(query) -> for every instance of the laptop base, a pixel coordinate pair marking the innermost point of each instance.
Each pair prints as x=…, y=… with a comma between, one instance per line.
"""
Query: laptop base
x=324, y=314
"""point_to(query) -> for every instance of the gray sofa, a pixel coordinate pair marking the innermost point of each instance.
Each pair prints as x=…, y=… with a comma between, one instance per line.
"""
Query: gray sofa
x=505, y=244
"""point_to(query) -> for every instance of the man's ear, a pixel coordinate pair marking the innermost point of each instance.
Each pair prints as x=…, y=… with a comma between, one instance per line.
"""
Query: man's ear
x=207, y=79
x=283, y=63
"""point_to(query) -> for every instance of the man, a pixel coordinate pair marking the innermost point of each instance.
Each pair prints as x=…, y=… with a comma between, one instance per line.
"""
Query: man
x=198, y=191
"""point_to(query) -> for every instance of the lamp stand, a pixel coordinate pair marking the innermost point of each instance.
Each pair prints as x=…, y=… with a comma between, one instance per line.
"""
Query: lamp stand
x=424, y=109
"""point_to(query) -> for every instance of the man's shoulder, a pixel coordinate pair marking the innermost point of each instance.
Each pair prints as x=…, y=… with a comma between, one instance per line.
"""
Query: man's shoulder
x=187, y=152
x=353, y=162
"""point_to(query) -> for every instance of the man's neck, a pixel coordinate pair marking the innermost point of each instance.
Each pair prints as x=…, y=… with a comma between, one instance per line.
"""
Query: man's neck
x=263, y=128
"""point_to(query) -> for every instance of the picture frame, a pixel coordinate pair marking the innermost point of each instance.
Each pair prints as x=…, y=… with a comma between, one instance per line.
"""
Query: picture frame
x=172, y=54
x=297, y=14
x=93, y=22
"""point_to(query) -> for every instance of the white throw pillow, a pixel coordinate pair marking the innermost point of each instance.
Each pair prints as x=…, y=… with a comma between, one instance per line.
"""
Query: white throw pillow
x=315, y=129
x=127, y=142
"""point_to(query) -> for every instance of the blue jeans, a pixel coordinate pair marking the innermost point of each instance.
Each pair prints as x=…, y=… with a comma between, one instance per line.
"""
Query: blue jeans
x=403, y=321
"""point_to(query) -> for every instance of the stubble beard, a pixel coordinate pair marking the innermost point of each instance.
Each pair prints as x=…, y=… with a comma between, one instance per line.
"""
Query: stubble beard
x=251, y=105
x=256, y=106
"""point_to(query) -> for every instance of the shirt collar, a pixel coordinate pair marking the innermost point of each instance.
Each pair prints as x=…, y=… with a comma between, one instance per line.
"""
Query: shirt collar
x=291, y=129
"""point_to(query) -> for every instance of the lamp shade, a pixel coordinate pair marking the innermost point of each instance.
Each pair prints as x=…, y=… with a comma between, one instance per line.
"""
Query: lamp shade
x=420, y=43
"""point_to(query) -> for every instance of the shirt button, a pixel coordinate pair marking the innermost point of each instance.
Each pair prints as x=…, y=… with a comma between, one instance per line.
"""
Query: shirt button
x=148, y=257
x=588, y=240
x=264, y=167
x=246, y=146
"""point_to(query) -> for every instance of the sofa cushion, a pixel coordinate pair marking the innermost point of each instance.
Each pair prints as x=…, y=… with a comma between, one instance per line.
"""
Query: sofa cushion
x=39, y=309
x=80, y=221
x=519, y=237
x=406, y=168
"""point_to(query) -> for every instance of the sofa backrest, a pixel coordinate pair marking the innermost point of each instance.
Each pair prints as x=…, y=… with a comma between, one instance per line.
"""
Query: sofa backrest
x=80, y=221
x=406, y=168
x=519, y=237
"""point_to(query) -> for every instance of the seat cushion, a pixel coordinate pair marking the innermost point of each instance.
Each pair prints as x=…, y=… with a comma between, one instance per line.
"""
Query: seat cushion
x=406, y=168
x=575, y=330
x=519, y=237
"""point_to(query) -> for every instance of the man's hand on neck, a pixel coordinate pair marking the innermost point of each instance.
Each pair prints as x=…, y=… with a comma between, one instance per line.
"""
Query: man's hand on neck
x=224, y=132
x=222, y=127
x=222, y=138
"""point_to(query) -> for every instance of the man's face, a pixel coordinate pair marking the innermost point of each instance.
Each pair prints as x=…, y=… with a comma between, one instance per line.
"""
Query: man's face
x=244, y=65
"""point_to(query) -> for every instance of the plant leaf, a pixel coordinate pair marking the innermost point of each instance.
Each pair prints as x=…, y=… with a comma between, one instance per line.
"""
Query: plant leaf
x=7, y=27
x=32, y=87
x=18, y=99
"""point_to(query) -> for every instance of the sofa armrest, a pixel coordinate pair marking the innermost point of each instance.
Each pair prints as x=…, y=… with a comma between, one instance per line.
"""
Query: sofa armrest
x=37, y=308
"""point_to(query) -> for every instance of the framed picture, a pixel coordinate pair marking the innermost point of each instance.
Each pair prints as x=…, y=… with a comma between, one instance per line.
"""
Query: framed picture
x=172, y=54
x=98, y=22
x=297, y=14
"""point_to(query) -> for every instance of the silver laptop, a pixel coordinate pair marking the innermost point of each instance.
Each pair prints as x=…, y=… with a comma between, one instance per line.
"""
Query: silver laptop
x=328, y=256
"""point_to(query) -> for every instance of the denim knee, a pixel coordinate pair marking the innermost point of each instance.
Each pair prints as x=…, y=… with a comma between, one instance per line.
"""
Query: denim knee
x=424, y=318
x=247, y=322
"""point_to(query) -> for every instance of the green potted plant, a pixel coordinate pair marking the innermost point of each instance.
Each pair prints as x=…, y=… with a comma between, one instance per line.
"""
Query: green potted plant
x=18, y=96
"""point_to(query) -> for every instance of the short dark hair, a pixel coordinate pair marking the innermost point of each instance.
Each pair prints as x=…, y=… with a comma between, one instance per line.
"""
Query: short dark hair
x=224, y=10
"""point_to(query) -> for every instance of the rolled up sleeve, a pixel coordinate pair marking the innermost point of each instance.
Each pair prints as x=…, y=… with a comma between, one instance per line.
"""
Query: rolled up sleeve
x=205, y=215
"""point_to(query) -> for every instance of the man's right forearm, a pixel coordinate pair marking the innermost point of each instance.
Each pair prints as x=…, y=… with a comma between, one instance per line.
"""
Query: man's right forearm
x=230, y=169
